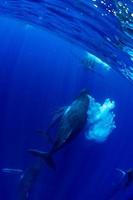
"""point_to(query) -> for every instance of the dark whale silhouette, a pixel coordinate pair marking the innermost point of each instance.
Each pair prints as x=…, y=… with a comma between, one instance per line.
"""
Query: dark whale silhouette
x=27, y=180
x=71, y=121
x=125, y=181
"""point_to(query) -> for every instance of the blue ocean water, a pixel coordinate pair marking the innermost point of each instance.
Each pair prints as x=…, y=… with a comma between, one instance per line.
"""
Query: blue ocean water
x=43, y=67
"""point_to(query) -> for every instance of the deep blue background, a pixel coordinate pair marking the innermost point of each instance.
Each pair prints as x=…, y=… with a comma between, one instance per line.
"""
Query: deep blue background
x=39, y=73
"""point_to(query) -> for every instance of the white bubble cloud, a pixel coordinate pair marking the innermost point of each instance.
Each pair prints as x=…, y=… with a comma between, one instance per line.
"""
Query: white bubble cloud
x=100, y=120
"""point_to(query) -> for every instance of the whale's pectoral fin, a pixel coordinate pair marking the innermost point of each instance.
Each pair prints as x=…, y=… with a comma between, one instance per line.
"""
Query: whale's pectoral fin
x=11, y=171
x=123, y=173
x=45, y=134
x=60, y=110
x=125, y=177
x=58, y=114
x=67, y=136
x=56, y=118
x=69, y=133
x=46, y=156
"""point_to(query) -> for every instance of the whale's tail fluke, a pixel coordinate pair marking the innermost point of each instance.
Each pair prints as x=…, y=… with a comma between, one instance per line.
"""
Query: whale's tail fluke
x=46, y=156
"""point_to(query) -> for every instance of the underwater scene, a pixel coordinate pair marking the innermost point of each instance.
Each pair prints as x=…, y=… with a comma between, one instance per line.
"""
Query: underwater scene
x=66, y=100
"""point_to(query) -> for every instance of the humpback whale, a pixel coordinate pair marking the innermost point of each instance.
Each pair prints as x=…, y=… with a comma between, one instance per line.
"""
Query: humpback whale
x=71, y=120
